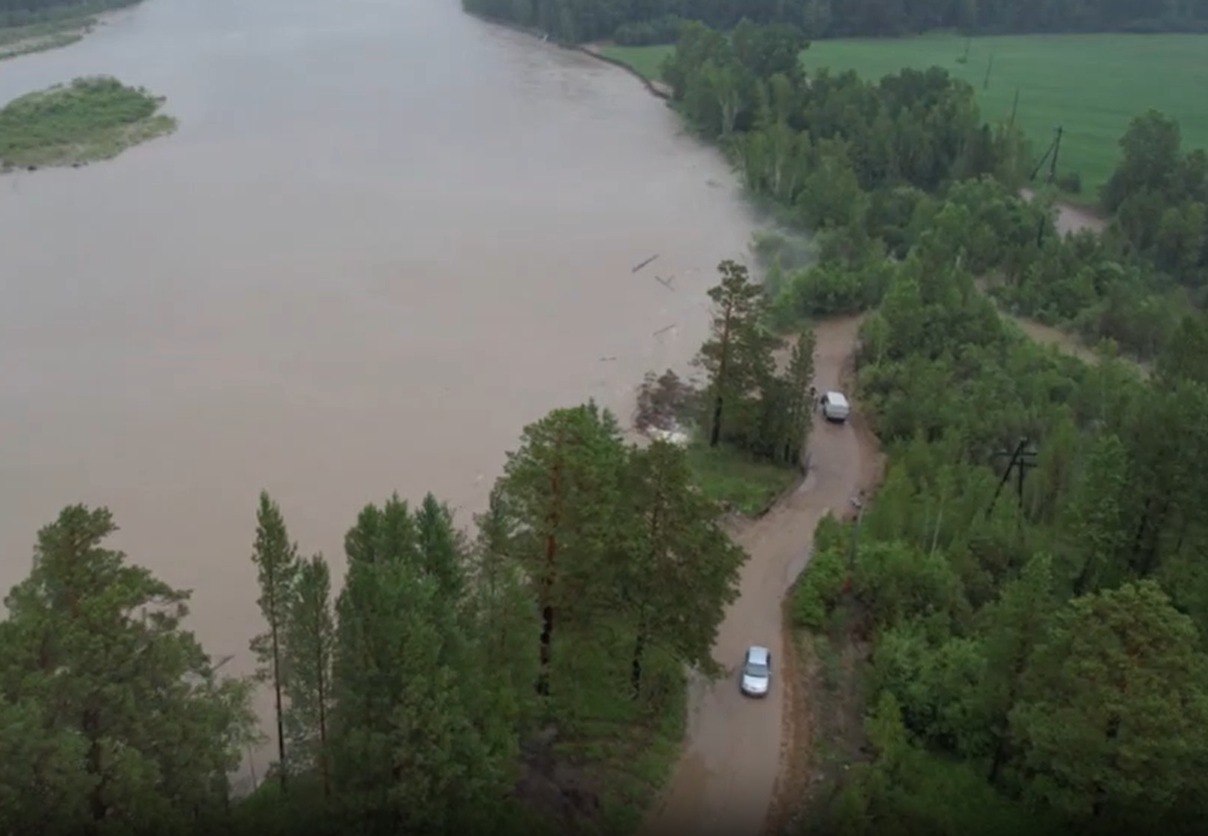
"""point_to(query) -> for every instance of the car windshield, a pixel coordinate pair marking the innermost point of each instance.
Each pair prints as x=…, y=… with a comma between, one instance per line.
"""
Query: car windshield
x=757, y=671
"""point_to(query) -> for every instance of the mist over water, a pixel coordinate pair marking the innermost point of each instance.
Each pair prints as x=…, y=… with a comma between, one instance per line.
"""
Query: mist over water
x=385, y=237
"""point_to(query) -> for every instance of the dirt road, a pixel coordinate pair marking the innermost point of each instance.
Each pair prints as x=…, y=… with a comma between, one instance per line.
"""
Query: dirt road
x=724, y=781
x=1071, y=219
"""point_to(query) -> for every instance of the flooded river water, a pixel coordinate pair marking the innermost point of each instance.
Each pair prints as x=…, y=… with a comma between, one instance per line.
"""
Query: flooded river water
x=385, y=237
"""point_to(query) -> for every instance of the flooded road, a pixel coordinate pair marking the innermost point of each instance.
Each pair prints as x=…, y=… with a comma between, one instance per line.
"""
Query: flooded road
x=385, y=237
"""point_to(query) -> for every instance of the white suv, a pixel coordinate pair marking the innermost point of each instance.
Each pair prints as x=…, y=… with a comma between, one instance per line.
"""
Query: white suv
x=835, y=407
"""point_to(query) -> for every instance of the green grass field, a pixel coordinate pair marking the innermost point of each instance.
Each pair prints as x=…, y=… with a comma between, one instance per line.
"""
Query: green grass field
x=729, y=476
x=1092, y=85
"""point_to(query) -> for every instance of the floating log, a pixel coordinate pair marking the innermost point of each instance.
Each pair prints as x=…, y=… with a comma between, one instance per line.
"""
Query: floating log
x=644, y=263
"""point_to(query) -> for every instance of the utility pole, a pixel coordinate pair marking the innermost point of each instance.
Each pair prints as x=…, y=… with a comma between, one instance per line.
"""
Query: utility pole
x=989, y=66
x=1056, y=151
x=1023, y=459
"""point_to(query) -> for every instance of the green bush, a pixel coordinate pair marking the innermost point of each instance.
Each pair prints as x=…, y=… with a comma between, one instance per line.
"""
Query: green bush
x=819, y=589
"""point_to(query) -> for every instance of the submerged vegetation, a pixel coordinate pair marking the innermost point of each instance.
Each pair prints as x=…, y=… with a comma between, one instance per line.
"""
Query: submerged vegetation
x=89, y=119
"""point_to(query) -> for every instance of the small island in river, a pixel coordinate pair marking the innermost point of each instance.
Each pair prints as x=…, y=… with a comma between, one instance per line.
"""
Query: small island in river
x=89, y=119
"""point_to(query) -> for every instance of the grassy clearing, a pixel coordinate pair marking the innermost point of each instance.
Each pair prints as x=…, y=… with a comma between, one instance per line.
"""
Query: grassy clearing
x=90, y=119
x=1092, y=85
x=647, y=60
x=731, y=477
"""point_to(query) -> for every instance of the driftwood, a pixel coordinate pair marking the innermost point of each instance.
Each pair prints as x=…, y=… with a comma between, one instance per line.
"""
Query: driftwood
x=644, y=263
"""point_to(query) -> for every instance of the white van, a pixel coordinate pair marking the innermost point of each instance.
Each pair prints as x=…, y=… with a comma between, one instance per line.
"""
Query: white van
x=835, y=407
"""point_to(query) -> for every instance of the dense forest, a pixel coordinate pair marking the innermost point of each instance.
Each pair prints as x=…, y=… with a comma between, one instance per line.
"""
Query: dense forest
x=401, y=704
x=867, y=166
x=658, y=21
x=1026, y=599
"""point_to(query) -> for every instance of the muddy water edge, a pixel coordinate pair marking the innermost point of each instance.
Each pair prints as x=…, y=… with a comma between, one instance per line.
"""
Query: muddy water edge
x=385, y=237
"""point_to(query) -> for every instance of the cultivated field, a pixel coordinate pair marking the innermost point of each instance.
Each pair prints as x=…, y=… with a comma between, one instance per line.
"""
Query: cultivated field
x=1092, y=85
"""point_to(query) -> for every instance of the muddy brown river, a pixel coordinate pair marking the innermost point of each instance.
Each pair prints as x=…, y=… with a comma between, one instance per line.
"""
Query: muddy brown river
x=385, y=237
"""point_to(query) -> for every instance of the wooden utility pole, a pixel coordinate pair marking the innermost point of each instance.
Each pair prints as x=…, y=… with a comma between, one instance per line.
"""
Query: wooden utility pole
x=1056, y=151
x=1023, y=458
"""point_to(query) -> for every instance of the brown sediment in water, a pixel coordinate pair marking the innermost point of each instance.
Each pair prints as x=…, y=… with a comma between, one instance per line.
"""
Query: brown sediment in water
x=334, y=288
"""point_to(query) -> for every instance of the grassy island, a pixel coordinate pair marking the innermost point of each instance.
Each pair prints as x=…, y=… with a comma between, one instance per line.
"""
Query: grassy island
x=87, y=120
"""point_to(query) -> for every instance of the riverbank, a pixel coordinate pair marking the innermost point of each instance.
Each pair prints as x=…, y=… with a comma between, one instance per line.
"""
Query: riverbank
x=27, y=32
x=38, y=37
x=654, y=85
x=89, y=120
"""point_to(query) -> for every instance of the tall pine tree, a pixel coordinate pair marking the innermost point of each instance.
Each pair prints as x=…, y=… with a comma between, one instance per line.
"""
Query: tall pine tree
x=276, y=562
x=559, y=491
x=309, y=642
x=680, y=568
x=112, y=719
x=413, y=749
x=737, y=355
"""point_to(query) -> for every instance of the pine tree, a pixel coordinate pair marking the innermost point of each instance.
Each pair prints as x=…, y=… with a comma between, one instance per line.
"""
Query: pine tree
x=111, y=716
x=412, y=748
x=559, y=492
x=1113, y=723
x=309, y=643
x=1012, y=627
x=505, y=617
x=737, y=355
x=680, y=568
x=276, y=560
x=800, y=408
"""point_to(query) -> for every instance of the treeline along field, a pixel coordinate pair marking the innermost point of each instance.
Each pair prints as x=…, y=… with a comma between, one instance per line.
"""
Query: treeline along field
x=1061, y=79
x=657, y=21
x=1091, y=85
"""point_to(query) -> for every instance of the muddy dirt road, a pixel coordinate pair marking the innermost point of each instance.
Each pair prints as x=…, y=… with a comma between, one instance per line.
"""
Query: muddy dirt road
x=724, y=781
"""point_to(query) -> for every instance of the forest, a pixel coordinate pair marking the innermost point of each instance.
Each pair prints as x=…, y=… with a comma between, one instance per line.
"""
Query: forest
x=658, y=21
x=868, y=166
x=403, y=701
x=1026, y=596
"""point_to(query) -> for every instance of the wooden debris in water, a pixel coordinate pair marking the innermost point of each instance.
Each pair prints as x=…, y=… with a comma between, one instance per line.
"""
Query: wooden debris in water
x=644, y=263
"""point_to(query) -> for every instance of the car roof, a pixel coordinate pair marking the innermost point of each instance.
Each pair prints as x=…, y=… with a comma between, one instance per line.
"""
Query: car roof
x=836, y=397
x=758, y=654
